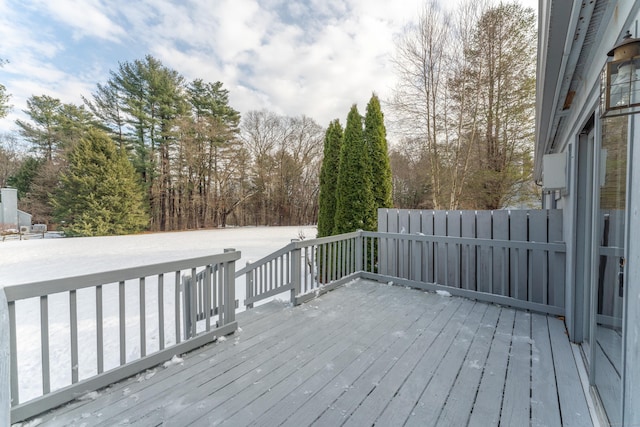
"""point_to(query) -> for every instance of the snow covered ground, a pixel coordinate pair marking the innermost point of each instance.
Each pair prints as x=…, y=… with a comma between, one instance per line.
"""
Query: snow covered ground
x=34, y=260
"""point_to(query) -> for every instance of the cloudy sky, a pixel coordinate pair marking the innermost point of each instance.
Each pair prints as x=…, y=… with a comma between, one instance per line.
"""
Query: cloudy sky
x=293, y=57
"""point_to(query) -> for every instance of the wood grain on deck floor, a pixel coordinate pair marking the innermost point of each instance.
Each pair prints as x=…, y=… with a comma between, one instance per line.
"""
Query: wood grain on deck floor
x=365, y=354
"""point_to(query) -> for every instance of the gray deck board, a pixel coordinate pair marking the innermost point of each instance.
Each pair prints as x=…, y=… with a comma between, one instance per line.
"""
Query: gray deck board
x=456, y=410
x=486, y=409
x=545, y=409
x=322, y=389
x=429, y=370
x=573, y=405
x=433, y=398
x=516, y=403
x=381, y=394
x=217, y=384
x=364, y=354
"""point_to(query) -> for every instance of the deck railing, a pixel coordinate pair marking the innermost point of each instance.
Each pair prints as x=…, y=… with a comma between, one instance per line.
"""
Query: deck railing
x=521, y=274
x=143, y=309
x=305, y=267
x=195, y=298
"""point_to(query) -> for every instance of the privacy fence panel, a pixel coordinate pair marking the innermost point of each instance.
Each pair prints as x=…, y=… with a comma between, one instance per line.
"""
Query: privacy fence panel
x=524, y=272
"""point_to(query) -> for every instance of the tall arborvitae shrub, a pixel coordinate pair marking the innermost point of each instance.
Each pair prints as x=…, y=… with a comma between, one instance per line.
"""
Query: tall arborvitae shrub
x=354, y=202
x=99, y=194
x=375, y=137
x=329, y=179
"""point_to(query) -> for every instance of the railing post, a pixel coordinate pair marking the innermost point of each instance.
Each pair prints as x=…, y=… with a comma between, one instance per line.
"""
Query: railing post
x=296, y=273
x=186, y=304
x=249, y=291
x=5, y=362
x=359, y=252
x=229, y=312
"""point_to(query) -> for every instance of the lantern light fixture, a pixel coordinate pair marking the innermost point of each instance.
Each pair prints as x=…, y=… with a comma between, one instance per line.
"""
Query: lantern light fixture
x=620, y=79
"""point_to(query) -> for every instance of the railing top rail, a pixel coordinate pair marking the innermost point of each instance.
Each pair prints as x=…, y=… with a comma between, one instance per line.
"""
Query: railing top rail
x=473, y=241
x=264, y=260
x=301, y=244
x=329, y=239
x=48, y=287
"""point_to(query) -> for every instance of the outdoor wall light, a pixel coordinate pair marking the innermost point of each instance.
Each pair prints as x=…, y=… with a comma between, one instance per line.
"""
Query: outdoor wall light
x=620, y=80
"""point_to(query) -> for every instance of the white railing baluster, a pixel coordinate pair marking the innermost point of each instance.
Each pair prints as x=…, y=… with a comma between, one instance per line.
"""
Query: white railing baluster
x=221, y=293
x=305, y=269
x=295, y=273
x=13, y=349
x=517, y=273
x=249, y=285
x=99, y=331
x=122, y=324
x=5, y=362
x=214, y=286
x=230, y=290
x=314, y=266
x=207, y=297
x=161, y=311
x=287, y=267
x=73, y=330
x=176, y=305
x=143, y=318
x=44, y=343
x=192, y=303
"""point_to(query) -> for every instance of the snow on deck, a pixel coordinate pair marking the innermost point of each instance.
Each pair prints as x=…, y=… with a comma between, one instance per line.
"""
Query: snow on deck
x=365, y=353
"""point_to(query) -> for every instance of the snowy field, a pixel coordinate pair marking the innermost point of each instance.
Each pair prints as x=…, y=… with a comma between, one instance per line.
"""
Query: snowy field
x=35, y=260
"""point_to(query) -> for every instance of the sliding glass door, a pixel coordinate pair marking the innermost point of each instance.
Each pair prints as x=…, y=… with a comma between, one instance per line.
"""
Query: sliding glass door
x=608, y=280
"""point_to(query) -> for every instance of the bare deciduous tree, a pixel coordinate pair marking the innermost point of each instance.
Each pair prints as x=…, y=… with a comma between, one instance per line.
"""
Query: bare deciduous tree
x=465, y=92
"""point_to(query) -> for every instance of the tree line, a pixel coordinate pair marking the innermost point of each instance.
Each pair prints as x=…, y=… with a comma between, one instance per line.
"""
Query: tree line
x=462, y=113
x=197, y=164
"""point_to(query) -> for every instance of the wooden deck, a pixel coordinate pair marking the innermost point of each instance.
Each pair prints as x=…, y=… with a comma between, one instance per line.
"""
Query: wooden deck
x=364, y=354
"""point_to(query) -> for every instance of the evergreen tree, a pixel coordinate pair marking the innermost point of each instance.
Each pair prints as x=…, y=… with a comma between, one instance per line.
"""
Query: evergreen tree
x=99, y=194
x=23, y=179
x=354, y=198
x=375, y=137
x=329, y=179
x=42, y=129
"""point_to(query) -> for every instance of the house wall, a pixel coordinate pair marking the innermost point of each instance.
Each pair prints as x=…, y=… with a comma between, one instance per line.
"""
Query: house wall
x=620, y=17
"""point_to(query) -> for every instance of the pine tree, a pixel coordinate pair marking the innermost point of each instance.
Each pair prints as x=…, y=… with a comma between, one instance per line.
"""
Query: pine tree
x=375, y=137
x=329, y=179
x=99, y=194
x=354, y=198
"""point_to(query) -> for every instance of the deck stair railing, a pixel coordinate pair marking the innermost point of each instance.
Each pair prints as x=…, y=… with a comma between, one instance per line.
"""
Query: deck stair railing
x=143, y=307
x=523, y=274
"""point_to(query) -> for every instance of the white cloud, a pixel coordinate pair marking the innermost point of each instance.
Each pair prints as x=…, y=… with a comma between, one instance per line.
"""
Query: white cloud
x=312, y=57
x=88, y=18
